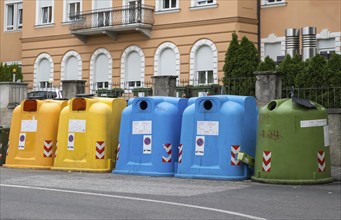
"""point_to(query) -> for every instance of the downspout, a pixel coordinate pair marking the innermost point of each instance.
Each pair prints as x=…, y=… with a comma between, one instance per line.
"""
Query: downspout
x=258, y=28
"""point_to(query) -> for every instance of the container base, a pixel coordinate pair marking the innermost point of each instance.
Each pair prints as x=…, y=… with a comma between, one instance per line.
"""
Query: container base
x=140, y=173
x=293, y=182
x=33, y=167
x=90, y=170
x=232, y=178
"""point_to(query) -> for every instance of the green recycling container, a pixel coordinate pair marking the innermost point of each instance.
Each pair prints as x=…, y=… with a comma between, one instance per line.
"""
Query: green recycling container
x=4, y=133
x=292, y=143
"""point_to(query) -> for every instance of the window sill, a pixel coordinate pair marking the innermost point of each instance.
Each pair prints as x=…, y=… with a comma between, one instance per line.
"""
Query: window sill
x=272, y=5
x=13, y=31
x=200, y=7
x=167, y=11
x=44, y=25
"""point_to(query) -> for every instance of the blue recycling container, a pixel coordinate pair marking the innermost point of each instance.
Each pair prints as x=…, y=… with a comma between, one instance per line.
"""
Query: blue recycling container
x=150, y=136
x=214, y=130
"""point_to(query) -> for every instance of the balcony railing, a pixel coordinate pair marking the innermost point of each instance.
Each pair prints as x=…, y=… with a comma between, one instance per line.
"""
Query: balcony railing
x=137, y=18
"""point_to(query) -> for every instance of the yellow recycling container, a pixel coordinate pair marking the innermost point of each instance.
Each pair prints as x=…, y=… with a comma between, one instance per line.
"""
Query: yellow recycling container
x=88, y=134
x=33, y=134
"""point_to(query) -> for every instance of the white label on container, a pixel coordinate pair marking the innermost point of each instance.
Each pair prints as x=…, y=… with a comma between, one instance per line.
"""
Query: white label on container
x=199, y=145
x=77, y=125
x=313, y=123
x=207, y=127
x=147, y=144
x=142, y=127
x=29, y=125
x=326, y=135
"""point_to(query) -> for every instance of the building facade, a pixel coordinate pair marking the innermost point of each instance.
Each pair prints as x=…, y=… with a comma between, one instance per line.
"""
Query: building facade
x=279, y=15
x=123, y=43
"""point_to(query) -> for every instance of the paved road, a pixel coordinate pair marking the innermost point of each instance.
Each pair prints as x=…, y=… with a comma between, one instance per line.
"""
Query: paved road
x=37, y=194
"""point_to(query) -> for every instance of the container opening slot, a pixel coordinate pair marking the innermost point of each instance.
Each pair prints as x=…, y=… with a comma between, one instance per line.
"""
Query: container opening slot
x=143, y=105
x=79, y=104
x=272, y=105
x=208, y=105
x=30, y=106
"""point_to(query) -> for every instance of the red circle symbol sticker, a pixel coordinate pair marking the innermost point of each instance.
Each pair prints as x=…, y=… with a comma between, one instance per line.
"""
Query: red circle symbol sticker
x=200, y=142
x=147, y=141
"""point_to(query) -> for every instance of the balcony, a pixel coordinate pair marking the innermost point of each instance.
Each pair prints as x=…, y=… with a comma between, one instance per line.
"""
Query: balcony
x=112, y=21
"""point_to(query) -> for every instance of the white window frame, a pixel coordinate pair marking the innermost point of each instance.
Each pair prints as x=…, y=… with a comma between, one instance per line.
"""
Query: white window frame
x=39, y=13
x=48, y=12
x=193, y=72
x=66, y=7
x=327, y=34
x=203, y=4
x=273, y=3
x=272, y=38
x=160, y=7
x=124, y=57
x=206, y=77
x=17, y=5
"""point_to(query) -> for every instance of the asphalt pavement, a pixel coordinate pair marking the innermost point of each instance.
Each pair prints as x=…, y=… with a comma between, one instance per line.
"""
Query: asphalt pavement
x=44, y=194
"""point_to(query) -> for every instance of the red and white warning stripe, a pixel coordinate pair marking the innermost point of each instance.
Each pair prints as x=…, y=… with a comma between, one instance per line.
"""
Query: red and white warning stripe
x=48, y=148
x=168, y=149
x=180, y=154
x=118, y=150
x=321, y=158
x=100, y=149
x=266, y=164
x=234, y=151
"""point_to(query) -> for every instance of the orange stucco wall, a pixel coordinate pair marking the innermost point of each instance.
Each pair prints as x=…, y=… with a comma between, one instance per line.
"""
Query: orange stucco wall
x=182, y=28
x=324, y=14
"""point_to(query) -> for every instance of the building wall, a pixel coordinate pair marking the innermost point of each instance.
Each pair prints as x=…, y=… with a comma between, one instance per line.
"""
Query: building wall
x=10, y=45
x=324, y=15
x=182, y=28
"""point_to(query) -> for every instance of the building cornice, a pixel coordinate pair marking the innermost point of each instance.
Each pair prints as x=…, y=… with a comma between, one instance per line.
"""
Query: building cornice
x=46, y=38
x=155, y=27
x=207, y=22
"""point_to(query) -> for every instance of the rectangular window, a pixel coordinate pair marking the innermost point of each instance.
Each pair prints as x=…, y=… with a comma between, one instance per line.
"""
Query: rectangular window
x=204, y=2
x=14, y=13
x=272, y=2
x=205, y=77
x=46, y=15
x=132, y=84
x=169, y=4
x=74, y=10
x=102, y=85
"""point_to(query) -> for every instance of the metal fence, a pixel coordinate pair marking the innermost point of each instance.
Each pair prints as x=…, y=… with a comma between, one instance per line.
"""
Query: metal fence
x=327, y=97
x=137, y=14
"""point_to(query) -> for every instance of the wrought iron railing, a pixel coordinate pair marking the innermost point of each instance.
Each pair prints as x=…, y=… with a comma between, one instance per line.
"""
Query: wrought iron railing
x=139, y=14
x=328, y=97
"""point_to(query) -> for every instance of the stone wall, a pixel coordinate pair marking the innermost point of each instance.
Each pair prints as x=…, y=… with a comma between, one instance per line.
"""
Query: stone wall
x=11, y=95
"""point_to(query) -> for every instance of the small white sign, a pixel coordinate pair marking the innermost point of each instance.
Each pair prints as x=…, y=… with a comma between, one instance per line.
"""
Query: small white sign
x=326, y=135
x=313, y=123
x=207, y=127
x=142, y=127
x=77, y=125
x=147, y=144
x=22, y=140
x=199, y=145
x=71, y=141
x=29, y=125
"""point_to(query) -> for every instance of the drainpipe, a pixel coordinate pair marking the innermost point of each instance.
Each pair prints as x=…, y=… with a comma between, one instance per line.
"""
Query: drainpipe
x=258, y=28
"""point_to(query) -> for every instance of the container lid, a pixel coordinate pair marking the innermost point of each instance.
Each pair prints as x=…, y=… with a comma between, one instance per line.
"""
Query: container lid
x=303, y=102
